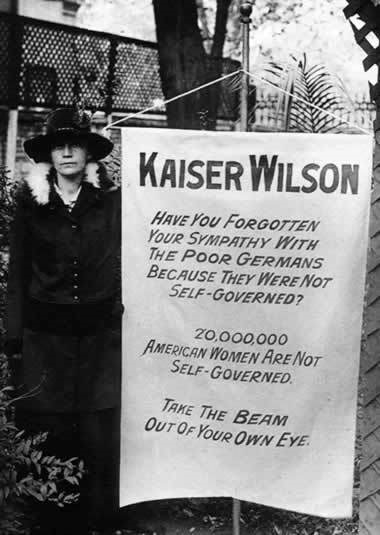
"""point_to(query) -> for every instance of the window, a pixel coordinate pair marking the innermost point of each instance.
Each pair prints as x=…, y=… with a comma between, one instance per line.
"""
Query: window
x=70, y=7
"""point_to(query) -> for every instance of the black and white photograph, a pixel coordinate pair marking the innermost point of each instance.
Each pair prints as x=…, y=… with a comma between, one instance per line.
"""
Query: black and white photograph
x=189, y=267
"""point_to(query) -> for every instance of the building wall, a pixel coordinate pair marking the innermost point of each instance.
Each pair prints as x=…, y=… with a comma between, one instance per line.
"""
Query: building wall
x=130, y=18
x=61, y=11
x=5, y=5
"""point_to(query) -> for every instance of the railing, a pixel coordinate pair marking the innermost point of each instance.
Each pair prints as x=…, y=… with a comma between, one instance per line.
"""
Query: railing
x=46, y=65
x=361, y=112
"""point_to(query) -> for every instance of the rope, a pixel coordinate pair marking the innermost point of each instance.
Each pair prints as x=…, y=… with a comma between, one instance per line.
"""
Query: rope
x=306, y=102
x=224, y=77
x=162, y=103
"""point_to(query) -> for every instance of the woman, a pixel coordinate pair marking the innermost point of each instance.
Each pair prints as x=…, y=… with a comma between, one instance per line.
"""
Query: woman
x=64, y=309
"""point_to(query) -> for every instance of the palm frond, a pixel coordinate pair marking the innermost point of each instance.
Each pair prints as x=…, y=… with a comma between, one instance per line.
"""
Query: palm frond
x=324, y=92
x=305, y=93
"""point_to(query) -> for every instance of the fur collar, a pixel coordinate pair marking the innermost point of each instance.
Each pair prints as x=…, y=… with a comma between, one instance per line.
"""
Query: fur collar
x=39, y=180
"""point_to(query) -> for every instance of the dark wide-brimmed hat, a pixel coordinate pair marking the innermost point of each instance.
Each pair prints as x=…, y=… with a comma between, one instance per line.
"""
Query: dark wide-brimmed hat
x=67, y=124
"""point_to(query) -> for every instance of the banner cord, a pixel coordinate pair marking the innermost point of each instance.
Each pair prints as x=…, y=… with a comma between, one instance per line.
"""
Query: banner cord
x=224, y=77
x=340, y=119
x=177, y=97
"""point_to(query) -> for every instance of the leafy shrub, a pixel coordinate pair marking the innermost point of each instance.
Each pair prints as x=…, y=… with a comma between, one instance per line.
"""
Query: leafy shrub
x=26, y=473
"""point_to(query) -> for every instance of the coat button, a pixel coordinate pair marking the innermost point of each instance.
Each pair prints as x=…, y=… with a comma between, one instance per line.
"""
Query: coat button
x=76, y=298
x=75, y=262
x=75, y=286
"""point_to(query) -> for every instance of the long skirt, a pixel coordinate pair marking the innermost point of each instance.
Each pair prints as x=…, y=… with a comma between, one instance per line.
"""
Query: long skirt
x=70, y=371
x=71, y=357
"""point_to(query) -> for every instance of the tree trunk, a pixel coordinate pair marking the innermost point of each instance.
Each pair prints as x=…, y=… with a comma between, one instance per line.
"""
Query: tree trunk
x=184, y=63
x=216, y=59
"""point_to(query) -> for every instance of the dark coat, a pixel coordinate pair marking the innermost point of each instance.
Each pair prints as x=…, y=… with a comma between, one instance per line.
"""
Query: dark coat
x=64, y=309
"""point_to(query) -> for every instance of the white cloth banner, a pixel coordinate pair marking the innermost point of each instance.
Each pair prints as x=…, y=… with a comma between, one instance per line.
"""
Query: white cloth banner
x=243, y=278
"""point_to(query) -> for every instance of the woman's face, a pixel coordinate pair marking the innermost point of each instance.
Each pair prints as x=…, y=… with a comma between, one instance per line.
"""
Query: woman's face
x=69, y=158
